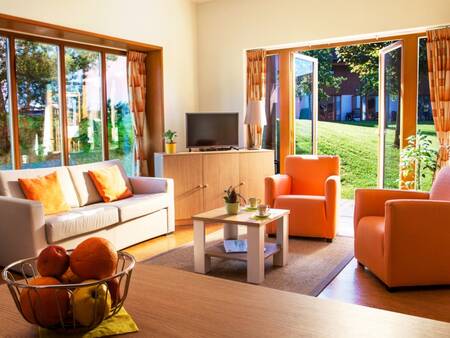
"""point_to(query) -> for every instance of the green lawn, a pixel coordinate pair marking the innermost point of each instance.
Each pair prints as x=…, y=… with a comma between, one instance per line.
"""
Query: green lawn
x=357, y=145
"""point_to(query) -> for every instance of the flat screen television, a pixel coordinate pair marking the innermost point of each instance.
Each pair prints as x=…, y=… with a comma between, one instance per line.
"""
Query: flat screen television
x=212, y=130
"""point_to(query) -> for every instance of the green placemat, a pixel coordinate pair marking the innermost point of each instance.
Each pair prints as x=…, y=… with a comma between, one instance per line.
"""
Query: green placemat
x=258, y=218
x=250, y=209
x=118, y=324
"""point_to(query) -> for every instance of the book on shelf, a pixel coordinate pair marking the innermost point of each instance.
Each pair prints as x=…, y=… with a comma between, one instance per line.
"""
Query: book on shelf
x=235, y=245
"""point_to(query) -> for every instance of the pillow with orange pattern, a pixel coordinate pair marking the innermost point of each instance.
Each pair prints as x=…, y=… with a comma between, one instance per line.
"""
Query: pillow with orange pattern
x=47, y=190
x=110, y=183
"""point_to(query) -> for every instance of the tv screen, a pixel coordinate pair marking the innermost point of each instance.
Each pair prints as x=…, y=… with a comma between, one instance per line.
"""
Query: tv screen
x=212, y=130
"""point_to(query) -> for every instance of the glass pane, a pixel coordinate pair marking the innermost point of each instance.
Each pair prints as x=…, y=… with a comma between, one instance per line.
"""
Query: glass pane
x=392, y=76
x=5, y=139
x=38, y=103
x=303, y=106
x=120, y=121
x=271, y=134
x=424, y=115
x=84, y=102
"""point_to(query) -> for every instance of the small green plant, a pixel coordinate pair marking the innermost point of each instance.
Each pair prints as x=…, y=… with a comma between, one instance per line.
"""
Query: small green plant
x=170, y=135
x=231, y=196
x=416, y=159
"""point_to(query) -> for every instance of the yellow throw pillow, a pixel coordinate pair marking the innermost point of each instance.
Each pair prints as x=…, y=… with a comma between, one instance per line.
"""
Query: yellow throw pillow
x=47, y=190
x=110, y=183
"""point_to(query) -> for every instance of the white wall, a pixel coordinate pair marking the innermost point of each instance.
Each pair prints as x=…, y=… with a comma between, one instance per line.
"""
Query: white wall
x=167, y=23
x=226, y=28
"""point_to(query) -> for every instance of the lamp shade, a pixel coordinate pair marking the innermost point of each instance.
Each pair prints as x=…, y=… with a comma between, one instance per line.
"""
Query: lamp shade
x=256, y=113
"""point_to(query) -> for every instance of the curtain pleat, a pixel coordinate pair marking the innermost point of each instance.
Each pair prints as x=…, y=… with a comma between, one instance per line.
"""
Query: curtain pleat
x=256, y=74
x=438, y=52
x=137, y=83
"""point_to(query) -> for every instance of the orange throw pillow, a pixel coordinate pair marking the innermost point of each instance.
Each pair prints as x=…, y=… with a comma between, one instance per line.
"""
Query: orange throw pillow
x=47, y=190
x=110, y=184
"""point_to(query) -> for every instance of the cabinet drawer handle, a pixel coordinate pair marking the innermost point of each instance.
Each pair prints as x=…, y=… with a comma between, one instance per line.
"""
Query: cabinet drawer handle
x=242, y=183
x=205, y=186
x=199, y=186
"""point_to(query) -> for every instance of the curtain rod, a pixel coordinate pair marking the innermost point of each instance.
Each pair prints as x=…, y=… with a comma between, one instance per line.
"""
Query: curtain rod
x=63, y=40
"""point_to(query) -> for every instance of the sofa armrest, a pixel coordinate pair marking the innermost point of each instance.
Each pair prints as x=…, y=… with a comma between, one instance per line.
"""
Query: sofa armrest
x=22, y=229
x=371, y=202
x=150, y=185
x=154, y=185
x=417, y=238
x=332, y=198
x=275, y=186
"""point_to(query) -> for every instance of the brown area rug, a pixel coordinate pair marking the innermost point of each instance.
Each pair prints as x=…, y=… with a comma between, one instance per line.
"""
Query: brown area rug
x=312, y=264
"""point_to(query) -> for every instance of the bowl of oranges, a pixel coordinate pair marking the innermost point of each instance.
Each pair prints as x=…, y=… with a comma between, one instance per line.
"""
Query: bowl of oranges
x=71, y=291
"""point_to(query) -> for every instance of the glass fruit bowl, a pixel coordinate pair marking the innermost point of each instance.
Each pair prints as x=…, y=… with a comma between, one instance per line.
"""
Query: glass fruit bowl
x=68, y=308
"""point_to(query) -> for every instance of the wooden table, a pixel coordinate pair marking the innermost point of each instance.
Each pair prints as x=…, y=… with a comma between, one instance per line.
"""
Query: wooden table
x=257, y=249
x=166, y=302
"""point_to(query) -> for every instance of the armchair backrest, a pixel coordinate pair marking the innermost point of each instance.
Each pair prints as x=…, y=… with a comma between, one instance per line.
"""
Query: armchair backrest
x=441, y=186
x=309, y=173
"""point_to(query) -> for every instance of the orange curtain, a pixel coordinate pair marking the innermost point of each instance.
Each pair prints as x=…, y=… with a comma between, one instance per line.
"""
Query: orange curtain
x=256, y=74
x=137, y=80
x=438, y=52
x=256, y=90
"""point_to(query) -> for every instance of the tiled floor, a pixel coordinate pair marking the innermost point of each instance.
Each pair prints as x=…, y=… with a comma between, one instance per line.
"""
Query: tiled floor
x=345, y=226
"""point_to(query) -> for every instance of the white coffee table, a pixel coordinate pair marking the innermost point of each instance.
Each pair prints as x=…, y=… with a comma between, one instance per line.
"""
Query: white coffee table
x=255, y=240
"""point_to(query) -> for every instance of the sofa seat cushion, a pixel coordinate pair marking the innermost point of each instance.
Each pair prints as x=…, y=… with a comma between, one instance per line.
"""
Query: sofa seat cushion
x=140, y=205
x=80, y=221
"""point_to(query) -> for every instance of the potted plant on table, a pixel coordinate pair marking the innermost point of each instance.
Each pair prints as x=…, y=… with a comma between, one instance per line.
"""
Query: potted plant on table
x=171, y=146
x=232, y=199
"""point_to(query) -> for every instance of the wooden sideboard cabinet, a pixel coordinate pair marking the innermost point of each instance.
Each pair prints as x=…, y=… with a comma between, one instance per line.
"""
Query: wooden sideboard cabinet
x=201, y=177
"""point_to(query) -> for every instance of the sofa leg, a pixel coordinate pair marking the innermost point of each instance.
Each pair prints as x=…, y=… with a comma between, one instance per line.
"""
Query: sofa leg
x=329, y=240
x=361, y=265
x=390, y=289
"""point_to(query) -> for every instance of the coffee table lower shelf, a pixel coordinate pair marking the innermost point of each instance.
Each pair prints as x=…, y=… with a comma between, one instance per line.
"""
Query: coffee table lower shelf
x=219, y=251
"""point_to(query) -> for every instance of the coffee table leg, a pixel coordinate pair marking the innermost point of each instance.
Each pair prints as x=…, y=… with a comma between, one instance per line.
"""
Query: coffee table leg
x=202, y=263
x=280, y=258
x=255, y=254
x=230, y=231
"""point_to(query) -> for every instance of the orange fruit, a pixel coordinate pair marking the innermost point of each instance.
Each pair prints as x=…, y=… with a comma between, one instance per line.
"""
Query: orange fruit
x=94, y=258
x=69, y=277
x=43, y=306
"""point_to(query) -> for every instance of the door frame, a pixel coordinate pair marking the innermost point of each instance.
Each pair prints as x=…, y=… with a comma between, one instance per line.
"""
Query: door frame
x=315, y=96
x=381, y=106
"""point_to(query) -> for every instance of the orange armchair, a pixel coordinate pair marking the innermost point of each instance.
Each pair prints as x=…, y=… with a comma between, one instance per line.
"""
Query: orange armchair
x=403, y=237
x=310, y=189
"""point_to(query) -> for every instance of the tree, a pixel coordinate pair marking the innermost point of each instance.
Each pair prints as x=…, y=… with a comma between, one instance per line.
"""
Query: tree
x=363, y=60
x=327, y=78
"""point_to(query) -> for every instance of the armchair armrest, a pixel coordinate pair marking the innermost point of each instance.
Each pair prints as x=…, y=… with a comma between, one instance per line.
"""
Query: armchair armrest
x=275, y=186
x=371, y=202
x=417, y=239
x=332, y=197
x=22, y=229
x=150, y=185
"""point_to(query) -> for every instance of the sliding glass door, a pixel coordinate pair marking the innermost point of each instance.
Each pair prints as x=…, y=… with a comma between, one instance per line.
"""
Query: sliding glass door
x=390, y=85
x=305, y=88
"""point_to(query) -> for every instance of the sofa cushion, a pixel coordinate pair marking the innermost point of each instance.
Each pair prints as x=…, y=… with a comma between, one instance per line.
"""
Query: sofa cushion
x=80, y=221
x=140, y=205
x=110, y=183
x=47, y=190
x=85, y=188
x=441, y=186
x=9, y=182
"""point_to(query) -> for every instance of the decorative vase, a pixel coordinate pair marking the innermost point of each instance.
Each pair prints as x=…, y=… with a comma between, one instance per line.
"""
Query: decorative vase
x=232, y=208
x=171, y=148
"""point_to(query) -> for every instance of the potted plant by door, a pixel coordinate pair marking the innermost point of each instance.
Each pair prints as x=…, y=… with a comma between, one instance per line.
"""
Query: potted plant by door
x=232, y=199
x=171, y=146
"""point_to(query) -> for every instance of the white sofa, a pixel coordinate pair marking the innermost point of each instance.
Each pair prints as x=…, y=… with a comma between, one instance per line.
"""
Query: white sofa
x=25, y=230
